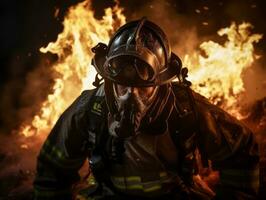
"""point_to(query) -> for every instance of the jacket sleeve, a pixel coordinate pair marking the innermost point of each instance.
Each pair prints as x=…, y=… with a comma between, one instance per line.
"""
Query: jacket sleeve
x=63, y=153
x=232, y=149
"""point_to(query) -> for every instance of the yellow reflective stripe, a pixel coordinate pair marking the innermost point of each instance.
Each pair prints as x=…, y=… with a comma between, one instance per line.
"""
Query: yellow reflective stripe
x=133, y=178
x=135, y=187
x=139, y=186
x=152, y=186
x=164, y=177
x=151, y=189
x=55, y=154
x=134, y=183
x=91, y=180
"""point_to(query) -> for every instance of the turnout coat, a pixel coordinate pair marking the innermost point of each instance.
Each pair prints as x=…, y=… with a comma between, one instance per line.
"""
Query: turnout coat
x=161, y=158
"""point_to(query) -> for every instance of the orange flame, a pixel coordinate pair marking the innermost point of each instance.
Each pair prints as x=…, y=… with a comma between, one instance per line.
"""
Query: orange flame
x=217, y=75
x=73, y=48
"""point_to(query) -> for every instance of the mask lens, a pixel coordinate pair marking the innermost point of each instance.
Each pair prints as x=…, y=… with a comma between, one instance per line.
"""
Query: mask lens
x=130, y=68
x=114, y=68
x=144, y=71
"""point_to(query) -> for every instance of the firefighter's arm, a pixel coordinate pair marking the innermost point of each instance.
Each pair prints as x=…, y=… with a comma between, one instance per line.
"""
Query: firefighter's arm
x=63, y=153
x=231, y=147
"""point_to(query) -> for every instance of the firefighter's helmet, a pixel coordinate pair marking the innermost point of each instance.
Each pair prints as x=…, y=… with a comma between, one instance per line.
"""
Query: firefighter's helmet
x=138, y=55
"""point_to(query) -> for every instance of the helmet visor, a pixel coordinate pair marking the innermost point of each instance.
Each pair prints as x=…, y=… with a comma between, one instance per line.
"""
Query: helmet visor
x=129, y=69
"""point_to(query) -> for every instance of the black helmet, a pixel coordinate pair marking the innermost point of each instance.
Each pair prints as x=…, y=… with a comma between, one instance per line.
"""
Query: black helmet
x=138, y=55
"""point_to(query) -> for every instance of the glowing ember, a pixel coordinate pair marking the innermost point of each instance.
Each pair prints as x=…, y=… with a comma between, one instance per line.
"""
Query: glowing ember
x=217, y=75
x=73, y=47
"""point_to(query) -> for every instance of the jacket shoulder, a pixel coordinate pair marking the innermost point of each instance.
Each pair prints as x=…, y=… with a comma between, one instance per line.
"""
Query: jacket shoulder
x=83, y=102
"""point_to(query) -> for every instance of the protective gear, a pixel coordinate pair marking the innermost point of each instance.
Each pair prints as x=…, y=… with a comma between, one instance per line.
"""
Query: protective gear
x=83, y=128
x=168, y=125
x=79, y=130
x=138, y=55
x=132, y=104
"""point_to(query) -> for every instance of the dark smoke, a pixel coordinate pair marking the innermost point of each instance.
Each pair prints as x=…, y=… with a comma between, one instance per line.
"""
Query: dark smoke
x=22, y=99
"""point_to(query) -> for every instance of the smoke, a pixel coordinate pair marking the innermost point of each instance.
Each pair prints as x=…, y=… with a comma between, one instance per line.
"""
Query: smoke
x=22, y=98
x=18, y=163
x=180, y=28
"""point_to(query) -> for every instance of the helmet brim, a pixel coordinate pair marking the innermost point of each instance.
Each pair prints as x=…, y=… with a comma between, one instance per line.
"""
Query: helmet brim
x=166, y=76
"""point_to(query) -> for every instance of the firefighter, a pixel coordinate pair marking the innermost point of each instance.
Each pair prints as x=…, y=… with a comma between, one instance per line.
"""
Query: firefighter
x=140, y=130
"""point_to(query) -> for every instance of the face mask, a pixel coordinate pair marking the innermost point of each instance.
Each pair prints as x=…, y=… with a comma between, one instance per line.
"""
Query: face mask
x=132, y=104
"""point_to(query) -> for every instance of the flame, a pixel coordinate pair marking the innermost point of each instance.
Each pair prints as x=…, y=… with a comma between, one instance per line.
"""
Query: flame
x=73, y=46
x=217, y=75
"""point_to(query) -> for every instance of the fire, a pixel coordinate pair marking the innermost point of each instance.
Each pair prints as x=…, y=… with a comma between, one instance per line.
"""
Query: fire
x=73, y=48
x=217, y=75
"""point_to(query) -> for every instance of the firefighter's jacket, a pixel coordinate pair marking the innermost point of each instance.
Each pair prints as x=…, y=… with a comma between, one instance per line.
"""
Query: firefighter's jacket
x=154, y=158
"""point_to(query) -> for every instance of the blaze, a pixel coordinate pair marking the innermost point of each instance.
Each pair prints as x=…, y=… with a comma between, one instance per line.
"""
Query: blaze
x=73, y=46
x=217, y=75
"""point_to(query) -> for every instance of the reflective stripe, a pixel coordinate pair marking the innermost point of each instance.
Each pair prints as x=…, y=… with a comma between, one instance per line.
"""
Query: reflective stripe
x=133, y=178
x=55, y=154
x=153, y=188
x=91, y=180
x=135, y=183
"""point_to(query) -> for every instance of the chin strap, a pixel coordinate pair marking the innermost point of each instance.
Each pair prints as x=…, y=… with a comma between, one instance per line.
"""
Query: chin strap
x=97, y=81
